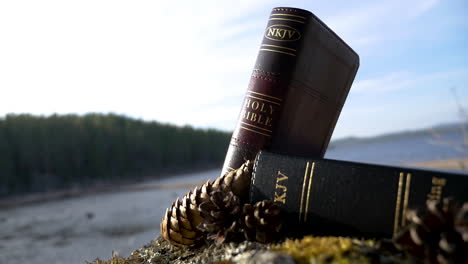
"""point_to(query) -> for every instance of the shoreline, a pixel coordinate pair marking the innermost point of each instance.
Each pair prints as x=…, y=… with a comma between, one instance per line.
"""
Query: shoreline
x=36, y=198
x=457, y=164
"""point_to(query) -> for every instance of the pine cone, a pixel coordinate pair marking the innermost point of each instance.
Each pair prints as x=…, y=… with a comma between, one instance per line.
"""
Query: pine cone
x=221, y=213
x=237, y=181
x=180, y=224
x=261, y=222
x=438, y=234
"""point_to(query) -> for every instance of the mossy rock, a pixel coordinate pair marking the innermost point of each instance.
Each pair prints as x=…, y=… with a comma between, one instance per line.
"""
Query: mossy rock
x=301, y=251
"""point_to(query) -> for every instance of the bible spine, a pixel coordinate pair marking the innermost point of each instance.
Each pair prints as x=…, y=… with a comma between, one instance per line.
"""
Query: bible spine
x=331, y=197
x=299, y=53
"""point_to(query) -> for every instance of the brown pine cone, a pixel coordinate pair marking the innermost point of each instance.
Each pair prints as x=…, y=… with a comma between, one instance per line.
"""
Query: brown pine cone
x=261, y=222
x=438, y=234
x=176, y=226
x=179, y=224
x=186, y=212
x=220, y=215
x=237, y=181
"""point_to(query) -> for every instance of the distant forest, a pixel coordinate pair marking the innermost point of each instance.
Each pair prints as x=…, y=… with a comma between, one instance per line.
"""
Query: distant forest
x=59, y=151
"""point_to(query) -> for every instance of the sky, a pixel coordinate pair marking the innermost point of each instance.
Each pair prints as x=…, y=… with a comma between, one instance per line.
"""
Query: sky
x=189, y=62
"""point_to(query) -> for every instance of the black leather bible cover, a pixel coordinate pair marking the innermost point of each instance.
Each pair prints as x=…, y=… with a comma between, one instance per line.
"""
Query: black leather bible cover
x=299, y=84
x=331, y=197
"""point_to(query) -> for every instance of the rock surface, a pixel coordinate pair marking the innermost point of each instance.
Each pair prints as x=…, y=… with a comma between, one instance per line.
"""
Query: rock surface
x=306, y=250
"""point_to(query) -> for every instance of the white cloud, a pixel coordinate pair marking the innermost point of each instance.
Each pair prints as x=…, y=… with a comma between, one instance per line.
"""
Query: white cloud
x=405, y=80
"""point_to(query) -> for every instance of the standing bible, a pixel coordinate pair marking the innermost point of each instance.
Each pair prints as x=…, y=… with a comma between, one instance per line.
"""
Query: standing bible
x=299, y=84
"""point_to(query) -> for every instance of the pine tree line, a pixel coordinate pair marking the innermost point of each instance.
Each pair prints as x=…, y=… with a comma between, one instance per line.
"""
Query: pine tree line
x=59, y=151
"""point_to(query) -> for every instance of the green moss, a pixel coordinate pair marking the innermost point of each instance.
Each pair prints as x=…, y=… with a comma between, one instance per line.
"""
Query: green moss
x=161, y=252
x=309, y=249
x=325, y=250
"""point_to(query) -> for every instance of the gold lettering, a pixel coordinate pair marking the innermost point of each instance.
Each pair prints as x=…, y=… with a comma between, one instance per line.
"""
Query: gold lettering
x=247, y=103
x=247, y=116
x=268, y=121
x=263, y=108
x=271, y=31
x=281, y=33
x=282, y=178
x=280, y=198
x=439, y=181
x=278, y=33
x=260, y=117
x=255, y=105
x=436, y=189
x=258, y=112
x=253, y=117
x=271, y=109
x=280, y=188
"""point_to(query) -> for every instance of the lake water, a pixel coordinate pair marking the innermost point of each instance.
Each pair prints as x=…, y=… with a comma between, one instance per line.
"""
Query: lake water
x=83, y=228
x=74, y=230
x=403, y=148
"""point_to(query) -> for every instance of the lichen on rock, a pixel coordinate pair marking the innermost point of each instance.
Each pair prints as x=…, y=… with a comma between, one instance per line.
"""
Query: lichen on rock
x=161, y=251
x=324, y=250
x=306, y=250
